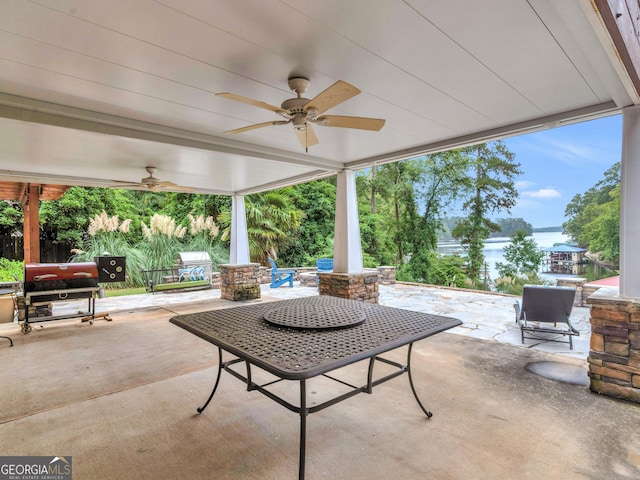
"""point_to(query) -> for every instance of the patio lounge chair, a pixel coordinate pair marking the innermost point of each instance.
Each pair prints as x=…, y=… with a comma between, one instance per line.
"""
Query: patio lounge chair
x=280, y=276
x=542, y=306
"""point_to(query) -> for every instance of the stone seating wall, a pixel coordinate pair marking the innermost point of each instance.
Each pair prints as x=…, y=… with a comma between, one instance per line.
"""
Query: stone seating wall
x=307, y=276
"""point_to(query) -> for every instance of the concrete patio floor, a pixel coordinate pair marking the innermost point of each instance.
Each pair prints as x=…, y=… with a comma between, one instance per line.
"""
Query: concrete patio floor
x=120, y=398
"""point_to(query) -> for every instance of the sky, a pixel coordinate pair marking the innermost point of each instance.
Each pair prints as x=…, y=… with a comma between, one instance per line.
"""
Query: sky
x=559, y=163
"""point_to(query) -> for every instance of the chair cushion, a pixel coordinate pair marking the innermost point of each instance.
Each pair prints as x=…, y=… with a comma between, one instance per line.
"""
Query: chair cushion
x=191, y=274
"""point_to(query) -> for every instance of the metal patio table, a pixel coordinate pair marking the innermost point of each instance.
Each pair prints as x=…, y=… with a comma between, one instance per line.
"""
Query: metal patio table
x=303, y=338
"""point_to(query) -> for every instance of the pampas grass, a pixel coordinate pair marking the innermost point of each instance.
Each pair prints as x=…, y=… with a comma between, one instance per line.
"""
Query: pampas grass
x=163, y=240
x=108, y=236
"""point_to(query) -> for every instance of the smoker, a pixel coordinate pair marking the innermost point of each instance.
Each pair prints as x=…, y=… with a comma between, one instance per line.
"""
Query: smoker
x=50, y=282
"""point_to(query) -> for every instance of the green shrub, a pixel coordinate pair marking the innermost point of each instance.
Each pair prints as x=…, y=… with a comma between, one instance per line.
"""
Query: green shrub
x=430, y=267
x=514, y=285
x=10, y=270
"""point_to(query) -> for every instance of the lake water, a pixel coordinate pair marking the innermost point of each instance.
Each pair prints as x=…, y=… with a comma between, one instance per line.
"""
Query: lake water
x=494, y=252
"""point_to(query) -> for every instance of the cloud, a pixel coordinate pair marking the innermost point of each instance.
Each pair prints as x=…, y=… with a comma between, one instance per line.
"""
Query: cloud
x=524, y=184
x=570, y=149
x=542, y=193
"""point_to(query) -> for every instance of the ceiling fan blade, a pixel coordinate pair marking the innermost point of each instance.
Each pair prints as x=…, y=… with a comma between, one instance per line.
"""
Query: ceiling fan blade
x=123, y=184
x=362, y=123
x=307, y=138
x=337, y=93
x=166, y=184
x=170, y=188
x=250, y=101
x=258, y=125
x=179, y=188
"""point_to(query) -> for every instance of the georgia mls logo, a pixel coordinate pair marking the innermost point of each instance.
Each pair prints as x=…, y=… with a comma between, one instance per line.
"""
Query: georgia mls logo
x=35, y=468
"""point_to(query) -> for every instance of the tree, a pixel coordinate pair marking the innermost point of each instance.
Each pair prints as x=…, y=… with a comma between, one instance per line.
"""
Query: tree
x=493, y=190
x=430, y=267
x=181, y=205
x=272, y=220
x=603, y=232
x=66, y=220
x=396, y=182
x=402, y=204
x=11, y=217
x=594, y=216
x=509, y=226
x=445, y=177
x=314, y=238
x=522, y=255
x=523, y=262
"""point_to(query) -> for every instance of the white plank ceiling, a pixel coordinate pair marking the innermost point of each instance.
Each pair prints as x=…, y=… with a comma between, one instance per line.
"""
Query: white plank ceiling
x=92, y=92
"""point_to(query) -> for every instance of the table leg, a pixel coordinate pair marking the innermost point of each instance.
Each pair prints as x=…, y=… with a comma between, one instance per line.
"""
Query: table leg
x=215, y=386
x=303, y=428
x=415, y=394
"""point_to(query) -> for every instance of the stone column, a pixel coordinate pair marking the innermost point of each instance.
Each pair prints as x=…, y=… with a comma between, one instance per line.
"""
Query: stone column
x=614, y=355
x=356, y=286
x=348, y=279
x=387, y=274
x=577, y=284
x=240, y=282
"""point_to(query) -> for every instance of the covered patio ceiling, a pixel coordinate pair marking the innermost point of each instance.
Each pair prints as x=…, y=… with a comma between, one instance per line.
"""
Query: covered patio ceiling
x=91, y=93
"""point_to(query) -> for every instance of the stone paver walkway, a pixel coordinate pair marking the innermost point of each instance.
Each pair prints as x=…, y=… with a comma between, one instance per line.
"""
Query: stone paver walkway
x=484, y=315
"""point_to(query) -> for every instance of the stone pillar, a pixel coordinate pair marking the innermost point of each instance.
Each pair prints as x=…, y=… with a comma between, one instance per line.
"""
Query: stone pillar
x=355, y=286
x=577, y=284
x=239, y=282
x=614, y=355
x=387, y=274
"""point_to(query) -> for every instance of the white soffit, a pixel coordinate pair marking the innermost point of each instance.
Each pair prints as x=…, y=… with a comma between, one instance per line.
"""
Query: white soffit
x=93, y=92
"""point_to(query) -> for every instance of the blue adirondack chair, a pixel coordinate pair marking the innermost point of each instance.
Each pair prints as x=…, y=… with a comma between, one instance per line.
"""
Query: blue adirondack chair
x=280, y=276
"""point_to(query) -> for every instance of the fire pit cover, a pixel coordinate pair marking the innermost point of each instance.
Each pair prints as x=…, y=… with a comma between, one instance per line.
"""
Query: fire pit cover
x=310, y=317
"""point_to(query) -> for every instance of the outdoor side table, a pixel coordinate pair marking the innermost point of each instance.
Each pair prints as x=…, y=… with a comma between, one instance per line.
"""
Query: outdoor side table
x=306, y=337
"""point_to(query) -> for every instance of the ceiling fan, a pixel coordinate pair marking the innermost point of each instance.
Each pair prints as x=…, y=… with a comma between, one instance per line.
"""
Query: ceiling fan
x=302, y=112
x=152, y=183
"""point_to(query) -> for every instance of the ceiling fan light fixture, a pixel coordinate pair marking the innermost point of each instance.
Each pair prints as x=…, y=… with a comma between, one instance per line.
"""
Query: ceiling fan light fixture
x=300, y=121
x=302, y=112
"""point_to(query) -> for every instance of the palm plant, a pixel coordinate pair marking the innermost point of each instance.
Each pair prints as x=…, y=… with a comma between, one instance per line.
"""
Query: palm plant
x=271, y=219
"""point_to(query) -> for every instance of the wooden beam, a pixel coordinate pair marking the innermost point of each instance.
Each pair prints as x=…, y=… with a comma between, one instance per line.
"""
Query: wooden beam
x=30, y=208
x=622, y=20
x=15, y=190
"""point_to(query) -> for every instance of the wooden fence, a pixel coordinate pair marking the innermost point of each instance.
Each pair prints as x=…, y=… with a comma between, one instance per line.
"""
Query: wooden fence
x=13, y=249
